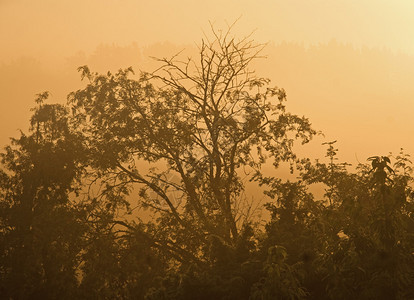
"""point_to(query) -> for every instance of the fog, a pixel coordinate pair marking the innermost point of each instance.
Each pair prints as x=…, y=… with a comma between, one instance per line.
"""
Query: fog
x=346, y=65
x=178, y=187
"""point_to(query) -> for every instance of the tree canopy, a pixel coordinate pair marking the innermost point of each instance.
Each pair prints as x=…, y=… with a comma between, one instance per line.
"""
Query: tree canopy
x=136, y=190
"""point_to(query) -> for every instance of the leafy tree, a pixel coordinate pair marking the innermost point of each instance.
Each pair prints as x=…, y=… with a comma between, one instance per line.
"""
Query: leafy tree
x=357, y=241
x=367, y=231
x=55, y=241
x=297, y=228
x=41, y=238
x=197, y=125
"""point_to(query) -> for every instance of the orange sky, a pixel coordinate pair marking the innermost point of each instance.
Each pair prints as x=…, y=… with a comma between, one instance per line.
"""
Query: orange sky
x=50, y=27
x=357, y=89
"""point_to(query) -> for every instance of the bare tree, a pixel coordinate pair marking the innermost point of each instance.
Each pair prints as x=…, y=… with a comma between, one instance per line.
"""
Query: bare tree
x=204, y=120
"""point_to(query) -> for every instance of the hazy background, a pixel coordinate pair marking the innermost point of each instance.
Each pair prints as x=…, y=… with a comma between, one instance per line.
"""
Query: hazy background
x=347, y=65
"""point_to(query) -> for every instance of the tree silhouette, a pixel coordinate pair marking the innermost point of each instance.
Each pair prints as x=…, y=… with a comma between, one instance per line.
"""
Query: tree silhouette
x=40, y=231
x=181, y=143
x=198, y=124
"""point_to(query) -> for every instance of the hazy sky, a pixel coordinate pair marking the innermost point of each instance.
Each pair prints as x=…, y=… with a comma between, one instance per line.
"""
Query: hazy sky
x=58, y=28
x=352, y=94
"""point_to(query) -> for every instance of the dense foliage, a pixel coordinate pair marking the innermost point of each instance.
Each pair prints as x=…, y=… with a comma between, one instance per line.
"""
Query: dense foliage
x=136, y=190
